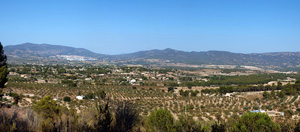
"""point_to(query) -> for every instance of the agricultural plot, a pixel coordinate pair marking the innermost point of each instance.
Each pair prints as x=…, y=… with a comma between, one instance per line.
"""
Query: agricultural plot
x=178, y=91
x=201, y=107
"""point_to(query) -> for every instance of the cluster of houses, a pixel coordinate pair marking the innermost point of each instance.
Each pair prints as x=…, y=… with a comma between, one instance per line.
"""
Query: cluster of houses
x=134, y=76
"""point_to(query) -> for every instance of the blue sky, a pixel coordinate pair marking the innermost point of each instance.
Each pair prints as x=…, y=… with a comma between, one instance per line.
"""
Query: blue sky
x=124, y=26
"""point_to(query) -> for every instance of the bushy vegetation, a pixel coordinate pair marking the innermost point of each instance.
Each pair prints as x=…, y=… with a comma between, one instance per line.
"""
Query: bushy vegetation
x=160, y=120
x=244, y=80
x=67, y=99
x=290, y=89
x=254, y=122
x=105, y=115
x=160, y=100
x=48, y=115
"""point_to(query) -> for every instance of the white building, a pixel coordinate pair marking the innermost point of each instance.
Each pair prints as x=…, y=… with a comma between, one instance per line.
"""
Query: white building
x=79, y=97
x=132, y=81
x=88, y=79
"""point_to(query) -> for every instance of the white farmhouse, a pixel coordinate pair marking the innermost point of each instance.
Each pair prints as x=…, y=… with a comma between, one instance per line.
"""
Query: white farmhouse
x=132, y=81
x=88, y=79
x=79, y=97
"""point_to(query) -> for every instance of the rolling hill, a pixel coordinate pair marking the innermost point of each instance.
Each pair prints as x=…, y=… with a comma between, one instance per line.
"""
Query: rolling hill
x=283, y=59
x=46, y=50
x=276, y=59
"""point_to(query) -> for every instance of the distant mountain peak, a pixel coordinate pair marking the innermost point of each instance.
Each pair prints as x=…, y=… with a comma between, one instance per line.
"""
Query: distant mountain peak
x=169, y=49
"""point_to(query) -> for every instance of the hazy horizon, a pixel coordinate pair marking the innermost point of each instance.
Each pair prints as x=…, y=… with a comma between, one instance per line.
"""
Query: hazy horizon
x=118, y=27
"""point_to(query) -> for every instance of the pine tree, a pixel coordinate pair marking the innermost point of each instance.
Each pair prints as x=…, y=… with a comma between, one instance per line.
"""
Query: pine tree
x=3, y=67
x=160, y=120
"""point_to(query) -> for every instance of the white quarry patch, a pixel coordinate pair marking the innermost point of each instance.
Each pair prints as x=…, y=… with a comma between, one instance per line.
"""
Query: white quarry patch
x=75, y=58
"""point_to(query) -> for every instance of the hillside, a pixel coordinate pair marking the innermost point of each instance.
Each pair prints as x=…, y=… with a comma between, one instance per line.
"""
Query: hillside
x=276, y=59
x=28, y=50
x=284, y=59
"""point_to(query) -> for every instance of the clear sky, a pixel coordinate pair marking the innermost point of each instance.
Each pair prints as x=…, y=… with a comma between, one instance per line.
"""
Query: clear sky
x=124, y=26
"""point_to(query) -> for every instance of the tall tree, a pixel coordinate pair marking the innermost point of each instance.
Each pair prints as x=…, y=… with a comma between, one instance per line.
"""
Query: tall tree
x=3, y=67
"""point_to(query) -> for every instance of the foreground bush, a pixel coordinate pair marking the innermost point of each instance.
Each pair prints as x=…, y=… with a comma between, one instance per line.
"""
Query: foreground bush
x=67, y=99
x=160, y=120
x=12, y=122
x=47, y=107
x=187, y=124
x=47, y=115
x=126, y=117
x=256, y=122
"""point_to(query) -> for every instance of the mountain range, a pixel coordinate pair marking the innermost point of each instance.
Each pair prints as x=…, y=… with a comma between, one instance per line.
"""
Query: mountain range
x=46, y=50
x=275, y=59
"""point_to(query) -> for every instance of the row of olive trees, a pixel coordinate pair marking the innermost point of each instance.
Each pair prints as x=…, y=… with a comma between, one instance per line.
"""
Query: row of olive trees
x=289, y=89
x=47, y=115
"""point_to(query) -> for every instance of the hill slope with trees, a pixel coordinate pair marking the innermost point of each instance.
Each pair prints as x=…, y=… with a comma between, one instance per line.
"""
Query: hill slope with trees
x=276, y=59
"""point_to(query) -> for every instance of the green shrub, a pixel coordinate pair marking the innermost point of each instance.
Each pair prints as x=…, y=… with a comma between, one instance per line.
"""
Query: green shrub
x=253, y=122
x=187, y=124
x=255, y=107
x=67, y=99
x=160, y=120
x=47, y=107
x=89, y=96
x=202, y=107
x=170, y=89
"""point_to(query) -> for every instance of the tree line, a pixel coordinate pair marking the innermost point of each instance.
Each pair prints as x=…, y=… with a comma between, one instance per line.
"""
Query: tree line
x=289, y=89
